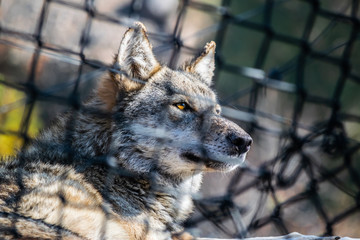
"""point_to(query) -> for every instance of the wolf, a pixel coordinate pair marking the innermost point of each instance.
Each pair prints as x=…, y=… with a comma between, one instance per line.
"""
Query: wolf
x=126, y=163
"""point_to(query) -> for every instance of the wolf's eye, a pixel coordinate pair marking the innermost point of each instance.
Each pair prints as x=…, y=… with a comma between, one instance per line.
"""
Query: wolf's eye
x=182, y=106
x=218, y=110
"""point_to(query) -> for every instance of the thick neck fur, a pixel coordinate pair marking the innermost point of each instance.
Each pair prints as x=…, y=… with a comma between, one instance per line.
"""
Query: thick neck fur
x=84, y=133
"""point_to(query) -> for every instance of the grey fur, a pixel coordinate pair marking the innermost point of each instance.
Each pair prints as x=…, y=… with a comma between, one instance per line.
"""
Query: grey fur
x=127, y=163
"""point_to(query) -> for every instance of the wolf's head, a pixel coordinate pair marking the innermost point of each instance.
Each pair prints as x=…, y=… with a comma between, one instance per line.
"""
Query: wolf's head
x=165, y=119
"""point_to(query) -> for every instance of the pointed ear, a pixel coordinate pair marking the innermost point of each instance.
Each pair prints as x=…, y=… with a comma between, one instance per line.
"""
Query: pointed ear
x=135, y=56
x=204, y=65
x=136, y=59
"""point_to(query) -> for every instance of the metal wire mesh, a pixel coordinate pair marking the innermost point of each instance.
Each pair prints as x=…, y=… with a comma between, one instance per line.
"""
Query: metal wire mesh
x=302, y=108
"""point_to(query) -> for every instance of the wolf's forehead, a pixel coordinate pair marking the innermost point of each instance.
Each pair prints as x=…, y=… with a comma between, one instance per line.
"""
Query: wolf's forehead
x=183, y=83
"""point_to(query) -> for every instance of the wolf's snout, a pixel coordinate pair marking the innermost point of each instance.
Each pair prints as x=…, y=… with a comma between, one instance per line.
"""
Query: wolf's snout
x=242, y=142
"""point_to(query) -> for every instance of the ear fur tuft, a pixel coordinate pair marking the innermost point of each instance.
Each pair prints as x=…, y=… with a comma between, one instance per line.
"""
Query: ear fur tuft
x=136, y=60
x=204, y=65
x=135, y=56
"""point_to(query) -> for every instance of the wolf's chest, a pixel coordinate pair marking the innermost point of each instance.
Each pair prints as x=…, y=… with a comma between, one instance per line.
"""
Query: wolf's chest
x=175, y=204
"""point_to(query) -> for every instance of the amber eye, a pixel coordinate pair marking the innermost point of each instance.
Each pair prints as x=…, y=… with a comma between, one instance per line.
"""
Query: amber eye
x=182, y=106
x=218, y=110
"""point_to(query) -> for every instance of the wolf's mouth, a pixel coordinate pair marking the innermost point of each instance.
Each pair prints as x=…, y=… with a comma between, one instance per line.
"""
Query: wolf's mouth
x=214, y=162
x=193, y=157
x=196, y=158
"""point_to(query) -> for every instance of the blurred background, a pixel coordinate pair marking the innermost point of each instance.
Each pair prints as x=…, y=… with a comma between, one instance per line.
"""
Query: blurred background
x=288, y=71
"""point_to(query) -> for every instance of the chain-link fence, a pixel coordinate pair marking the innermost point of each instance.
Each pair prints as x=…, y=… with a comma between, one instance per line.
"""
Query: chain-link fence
x=288, y=71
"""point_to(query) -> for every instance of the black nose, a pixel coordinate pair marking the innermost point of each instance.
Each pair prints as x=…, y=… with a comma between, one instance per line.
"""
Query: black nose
x=242, y=142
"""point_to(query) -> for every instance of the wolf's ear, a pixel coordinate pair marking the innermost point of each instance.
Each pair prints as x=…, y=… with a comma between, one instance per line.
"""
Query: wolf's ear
x=136, y=59
x=135, y=56
x=204, y=65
